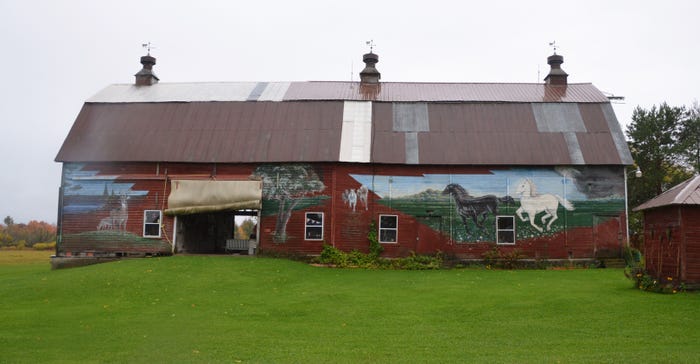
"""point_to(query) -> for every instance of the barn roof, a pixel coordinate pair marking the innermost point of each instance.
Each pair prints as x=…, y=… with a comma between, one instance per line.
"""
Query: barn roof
x=330, y=90
x=685, y=193
x=388, y=122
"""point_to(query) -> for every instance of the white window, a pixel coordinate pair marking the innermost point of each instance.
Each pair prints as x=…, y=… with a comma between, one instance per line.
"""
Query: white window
x=388, y=228
x=314, y=226
x=151, y=223
x=505, y=229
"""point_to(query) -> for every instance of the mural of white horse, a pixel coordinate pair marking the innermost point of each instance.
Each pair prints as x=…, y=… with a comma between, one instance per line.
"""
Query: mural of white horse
x=533, y=203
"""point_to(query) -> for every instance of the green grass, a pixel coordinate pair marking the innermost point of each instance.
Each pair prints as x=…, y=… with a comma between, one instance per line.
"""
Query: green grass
x=228, y=309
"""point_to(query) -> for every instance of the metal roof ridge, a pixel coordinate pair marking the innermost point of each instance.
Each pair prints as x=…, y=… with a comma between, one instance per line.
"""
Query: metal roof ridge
x=455, y=83
x=354, y=82
x=202, y=83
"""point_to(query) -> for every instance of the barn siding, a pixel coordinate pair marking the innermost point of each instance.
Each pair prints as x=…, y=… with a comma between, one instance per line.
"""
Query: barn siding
x=428, y=220
x=691, y=244
x=662, y=242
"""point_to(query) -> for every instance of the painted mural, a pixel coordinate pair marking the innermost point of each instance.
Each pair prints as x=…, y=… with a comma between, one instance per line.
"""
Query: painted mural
x=476, y=205
x=466, y=207
x=95, y=212
x=352, y=196
x=532, y=203
x=476, y=208
x=291, y=187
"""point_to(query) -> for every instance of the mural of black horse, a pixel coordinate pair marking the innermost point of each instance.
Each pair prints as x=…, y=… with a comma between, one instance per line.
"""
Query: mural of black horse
x=474, y=207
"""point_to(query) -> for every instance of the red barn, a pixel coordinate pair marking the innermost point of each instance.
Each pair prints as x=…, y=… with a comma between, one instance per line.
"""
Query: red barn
x=163, y=168
x=672, y=233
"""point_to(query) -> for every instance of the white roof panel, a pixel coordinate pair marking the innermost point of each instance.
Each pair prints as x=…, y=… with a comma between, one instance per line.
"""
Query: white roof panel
x=176, y=92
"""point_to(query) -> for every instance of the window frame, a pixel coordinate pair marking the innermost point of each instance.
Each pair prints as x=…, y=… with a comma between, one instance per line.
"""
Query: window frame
x=158, y=223
x=395, y=229
x=498, y=230
x=314, y=226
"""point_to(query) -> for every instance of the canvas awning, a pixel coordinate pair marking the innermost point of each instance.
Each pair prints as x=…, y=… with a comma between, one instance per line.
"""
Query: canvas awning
x=197, y=196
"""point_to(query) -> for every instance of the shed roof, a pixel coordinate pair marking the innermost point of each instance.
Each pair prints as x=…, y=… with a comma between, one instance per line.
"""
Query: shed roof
x=685, y=193
x=404, y=123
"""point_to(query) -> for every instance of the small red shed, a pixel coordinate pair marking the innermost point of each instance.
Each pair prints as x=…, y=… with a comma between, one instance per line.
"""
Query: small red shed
x=672, y=233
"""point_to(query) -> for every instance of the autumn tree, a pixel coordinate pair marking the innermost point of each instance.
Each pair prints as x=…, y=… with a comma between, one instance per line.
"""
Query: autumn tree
x=245, y=229
x=30, y=233
x=287, y=184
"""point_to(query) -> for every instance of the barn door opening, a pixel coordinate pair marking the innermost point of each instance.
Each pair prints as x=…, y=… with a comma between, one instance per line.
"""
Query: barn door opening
x=207, y=211
x=223, y=232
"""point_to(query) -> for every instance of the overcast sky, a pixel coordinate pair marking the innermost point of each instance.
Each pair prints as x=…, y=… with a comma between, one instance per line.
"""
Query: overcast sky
x=56, y=54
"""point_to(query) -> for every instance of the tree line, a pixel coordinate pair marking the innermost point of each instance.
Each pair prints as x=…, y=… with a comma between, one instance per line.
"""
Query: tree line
x=665, y=144
x=26, y=235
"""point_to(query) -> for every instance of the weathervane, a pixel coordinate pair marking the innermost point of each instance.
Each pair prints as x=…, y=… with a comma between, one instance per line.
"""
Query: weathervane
x=553, y=44
x=148, y=47
x=371, y=44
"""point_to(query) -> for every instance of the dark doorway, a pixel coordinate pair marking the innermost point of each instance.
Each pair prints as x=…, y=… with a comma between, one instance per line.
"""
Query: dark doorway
x=204, y=233
x=208, y=233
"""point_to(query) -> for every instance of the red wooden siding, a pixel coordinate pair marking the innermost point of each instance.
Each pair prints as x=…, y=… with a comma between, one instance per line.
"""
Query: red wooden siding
x=691, y=244
x=662, y=242
x=343, y=227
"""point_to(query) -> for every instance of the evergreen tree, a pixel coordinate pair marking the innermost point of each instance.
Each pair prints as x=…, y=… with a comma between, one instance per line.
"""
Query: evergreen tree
x=689, y=137
x=654, y=136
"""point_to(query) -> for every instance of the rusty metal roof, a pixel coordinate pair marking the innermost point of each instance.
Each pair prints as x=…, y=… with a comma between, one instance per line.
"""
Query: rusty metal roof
x=404, y=123
x=685, y=193
x=205, y=132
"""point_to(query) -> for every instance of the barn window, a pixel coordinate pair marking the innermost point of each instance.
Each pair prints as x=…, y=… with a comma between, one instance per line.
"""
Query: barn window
x=314, y=226
x=505, y=229
x=151, y=223
x=388, y=228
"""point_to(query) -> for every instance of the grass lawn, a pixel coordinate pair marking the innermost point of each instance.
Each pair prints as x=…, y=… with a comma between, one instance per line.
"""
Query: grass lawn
x=240, y=309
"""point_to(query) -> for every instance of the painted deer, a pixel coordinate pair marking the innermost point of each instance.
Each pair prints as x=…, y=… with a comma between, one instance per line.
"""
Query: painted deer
x=106, y=224
x=120, y=216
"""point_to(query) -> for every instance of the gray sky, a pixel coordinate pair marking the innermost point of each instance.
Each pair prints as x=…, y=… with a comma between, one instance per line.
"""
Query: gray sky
x=56, y=54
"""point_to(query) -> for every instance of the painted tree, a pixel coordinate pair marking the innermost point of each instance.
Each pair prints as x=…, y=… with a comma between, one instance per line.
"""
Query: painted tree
x=287, y=184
